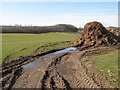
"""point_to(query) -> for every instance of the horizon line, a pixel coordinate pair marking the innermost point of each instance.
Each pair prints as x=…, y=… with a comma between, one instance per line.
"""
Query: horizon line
x=50, y=25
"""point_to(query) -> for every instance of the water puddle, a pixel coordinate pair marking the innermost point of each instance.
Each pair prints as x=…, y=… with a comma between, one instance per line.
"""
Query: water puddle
x=70, y=49
x=40, y=63
x=33, y=65
x=46, y=57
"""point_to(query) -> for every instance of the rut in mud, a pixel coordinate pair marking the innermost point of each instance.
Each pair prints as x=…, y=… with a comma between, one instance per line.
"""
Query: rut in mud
x=66, y=70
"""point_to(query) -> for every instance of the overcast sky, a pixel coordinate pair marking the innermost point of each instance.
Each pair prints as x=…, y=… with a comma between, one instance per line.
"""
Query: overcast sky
x=51, y=13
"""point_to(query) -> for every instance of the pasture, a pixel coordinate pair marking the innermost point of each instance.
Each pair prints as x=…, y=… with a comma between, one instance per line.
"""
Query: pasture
x=15, y=45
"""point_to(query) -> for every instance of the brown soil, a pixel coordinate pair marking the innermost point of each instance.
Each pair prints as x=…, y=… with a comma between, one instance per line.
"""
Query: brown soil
x=67, y=70
x=96, y=34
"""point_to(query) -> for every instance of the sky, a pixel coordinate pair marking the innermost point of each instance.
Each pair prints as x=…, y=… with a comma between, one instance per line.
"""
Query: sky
x=52, y=13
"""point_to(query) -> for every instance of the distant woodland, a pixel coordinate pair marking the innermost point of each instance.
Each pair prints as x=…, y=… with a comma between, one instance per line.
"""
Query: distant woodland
x=39, y=29
x=43, y=29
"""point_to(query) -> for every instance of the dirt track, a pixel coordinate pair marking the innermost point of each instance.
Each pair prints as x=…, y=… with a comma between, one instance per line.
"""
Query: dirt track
x=66, y=70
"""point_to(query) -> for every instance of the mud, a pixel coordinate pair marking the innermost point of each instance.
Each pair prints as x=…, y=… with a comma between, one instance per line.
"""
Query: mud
x=12, y=70
x=40, y=62
x=65, y=70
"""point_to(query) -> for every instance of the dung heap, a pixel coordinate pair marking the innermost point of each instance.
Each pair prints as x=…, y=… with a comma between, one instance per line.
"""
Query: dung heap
x=95, y=34
x=116, y=32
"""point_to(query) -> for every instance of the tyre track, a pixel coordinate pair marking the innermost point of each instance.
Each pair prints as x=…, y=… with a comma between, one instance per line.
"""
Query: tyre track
x=66, y=70
x=53, y=79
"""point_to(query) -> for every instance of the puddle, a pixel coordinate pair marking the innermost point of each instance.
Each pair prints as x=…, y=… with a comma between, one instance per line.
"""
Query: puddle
x=70, y=49
x=46, y=57
x=33, y=65
x=40, y=63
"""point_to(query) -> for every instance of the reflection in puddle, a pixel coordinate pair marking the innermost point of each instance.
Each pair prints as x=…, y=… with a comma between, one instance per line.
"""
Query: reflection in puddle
x=46, y=57
x=40, y=63
x=34, y=65
x=70, y=49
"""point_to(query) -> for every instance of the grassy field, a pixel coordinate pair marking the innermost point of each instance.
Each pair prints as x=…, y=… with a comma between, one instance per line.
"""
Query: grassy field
x=16, y=45
x=106, y=63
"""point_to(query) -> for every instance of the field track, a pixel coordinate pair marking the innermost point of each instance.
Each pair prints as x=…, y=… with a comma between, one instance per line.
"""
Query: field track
x=66, y=70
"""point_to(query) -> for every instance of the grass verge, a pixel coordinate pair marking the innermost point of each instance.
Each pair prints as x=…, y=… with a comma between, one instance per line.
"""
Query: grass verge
x=107, y=64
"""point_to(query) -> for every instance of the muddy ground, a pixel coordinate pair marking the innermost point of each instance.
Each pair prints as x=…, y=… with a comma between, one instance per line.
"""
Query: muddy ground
x=66, y=70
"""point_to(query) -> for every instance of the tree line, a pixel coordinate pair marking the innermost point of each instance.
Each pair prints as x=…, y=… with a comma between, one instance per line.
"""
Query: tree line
x=39, y=29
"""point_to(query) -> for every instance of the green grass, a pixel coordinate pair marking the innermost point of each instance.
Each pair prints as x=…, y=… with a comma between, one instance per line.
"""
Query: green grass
x=13, y=43
x=107, y=62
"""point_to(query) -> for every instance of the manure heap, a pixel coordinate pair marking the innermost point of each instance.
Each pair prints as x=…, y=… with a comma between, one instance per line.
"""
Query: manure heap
x=96, y=34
